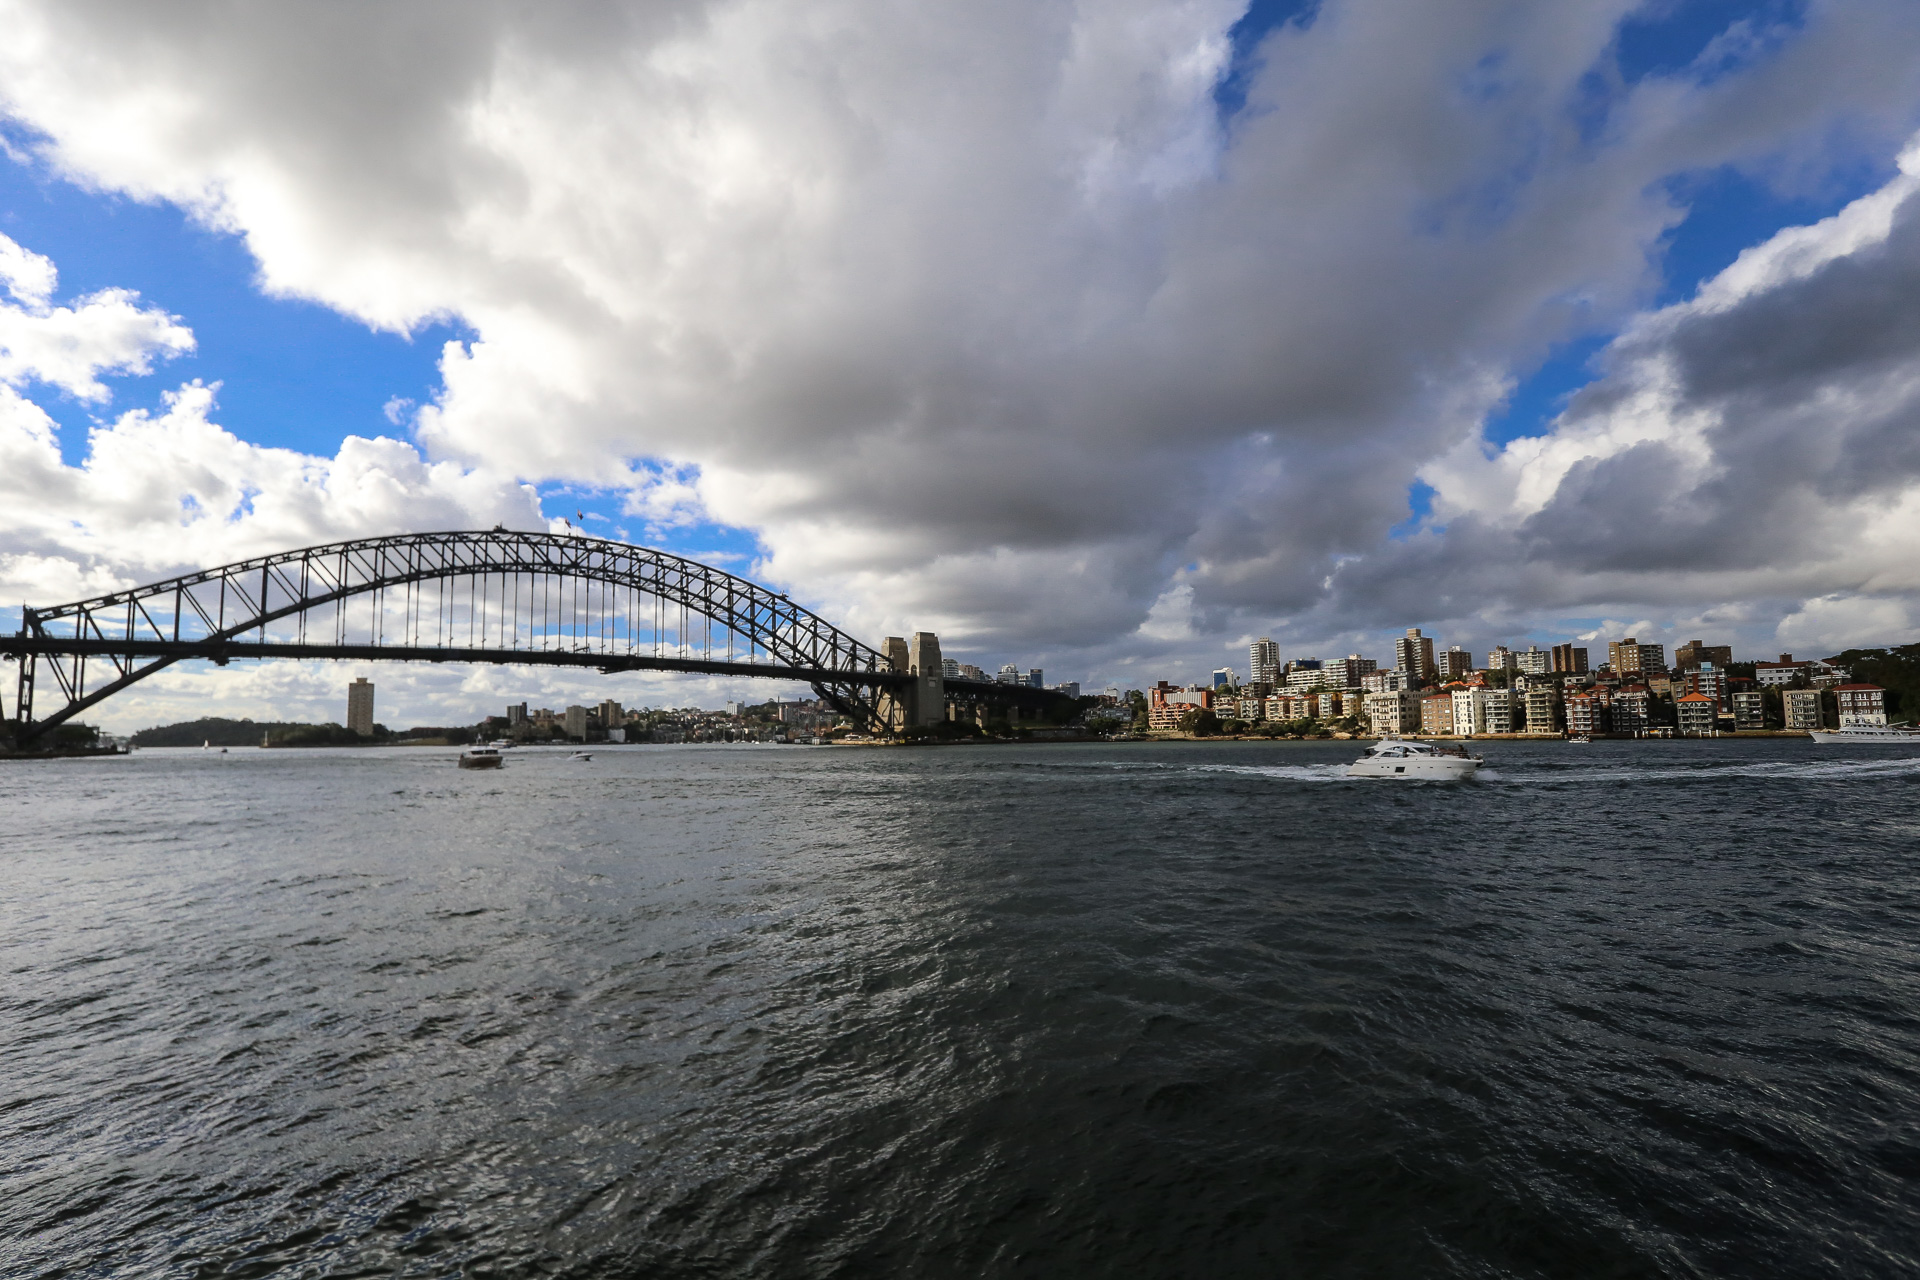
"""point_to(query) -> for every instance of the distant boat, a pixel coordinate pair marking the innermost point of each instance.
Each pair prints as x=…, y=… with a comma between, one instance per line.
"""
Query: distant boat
x=207, y=745
x=581, y=755
x=481, y=758
x=1579, y=739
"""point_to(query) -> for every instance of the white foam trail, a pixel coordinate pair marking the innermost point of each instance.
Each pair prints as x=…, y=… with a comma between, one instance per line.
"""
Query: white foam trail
x=1710, y=770
x=1290, y=772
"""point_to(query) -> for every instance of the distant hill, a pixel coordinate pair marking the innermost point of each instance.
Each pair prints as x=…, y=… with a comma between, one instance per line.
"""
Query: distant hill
x=221, y=732
x=1897, y=670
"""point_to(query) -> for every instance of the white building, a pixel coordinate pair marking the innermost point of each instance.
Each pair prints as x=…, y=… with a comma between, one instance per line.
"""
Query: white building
x=1498, y=710
x=1395, y=712
x=1534, y=662
x=1386, y=681
x=1469, y=711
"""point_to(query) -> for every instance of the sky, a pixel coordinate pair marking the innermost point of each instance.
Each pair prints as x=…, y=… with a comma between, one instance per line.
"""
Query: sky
x=1100, y=337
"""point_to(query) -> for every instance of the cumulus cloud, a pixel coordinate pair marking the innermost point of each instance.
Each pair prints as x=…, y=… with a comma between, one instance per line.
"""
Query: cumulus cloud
x=163, y=492
x=1750, y=455
x=69, y=347
x=160, y=492
x=981, y=316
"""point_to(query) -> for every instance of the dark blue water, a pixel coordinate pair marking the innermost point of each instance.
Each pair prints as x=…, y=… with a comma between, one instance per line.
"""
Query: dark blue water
x=1195, y=1010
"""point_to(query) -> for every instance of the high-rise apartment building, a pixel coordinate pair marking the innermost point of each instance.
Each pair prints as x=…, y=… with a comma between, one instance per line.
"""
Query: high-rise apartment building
x=1630, y=657
x=1353, y=670
x=1413, y=653
x=1309, y=673
x=1534, y=662
x=576, y=723
x=1693, y=653
x=360, y=707
x=1455, y=664
x=1570, y=659
x=1263, y=662
x=1501, y=659
x=612, y=716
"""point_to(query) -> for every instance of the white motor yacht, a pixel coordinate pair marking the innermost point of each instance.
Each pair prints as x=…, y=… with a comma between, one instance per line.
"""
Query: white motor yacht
x=1874, y=734
x=481, y=758
x=1394, y=758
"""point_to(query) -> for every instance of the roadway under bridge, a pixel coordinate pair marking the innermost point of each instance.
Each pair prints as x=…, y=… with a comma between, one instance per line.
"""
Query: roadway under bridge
x=497, y=596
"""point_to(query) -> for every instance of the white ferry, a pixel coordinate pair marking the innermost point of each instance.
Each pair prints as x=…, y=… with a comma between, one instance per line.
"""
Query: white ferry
x=1873, y=734
x=1411, y=760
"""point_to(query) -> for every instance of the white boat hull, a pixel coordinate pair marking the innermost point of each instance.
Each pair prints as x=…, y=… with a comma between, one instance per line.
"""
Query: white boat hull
x=1873, y=736
x=1415, y=768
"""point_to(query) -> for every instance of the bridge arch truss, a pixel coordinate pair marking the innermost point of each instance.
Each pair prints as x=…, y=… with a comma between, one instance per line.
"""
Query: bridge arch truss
x=494, y=596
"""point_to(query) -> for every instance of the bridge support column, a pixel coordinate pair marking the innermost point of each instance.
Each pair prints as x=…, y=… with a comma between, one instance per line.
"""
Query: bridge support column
x=926, y=700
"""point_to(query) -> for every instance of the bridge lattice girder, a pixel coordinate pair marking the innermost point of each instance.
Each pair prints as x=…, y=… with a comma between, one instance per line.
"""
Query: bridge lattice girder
x=498, y=596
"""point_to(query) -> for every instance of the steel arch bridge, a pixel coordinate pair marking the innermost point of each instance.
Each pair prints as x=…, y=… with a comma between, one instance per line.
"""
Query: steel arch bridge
x=498, y=596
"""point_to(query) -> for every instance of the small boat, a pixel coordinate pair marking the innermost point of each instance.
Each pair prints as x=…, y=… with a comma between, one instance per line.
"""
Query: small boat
x=1393, y=758
x=481, y=758
x=581, y=755
x=1579, y=739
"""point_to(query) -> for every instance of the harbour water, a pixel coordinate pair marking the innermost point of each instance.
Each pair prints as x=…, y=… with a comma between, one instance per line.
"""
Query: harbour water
x=1134, y=1010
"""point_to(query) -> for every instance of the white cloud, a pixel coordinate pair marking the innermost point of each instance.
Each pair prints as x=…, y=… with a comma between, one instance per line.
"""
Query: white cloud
x=69, y=347
x=163, y=493
x=29, y=276
x=978, y=313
